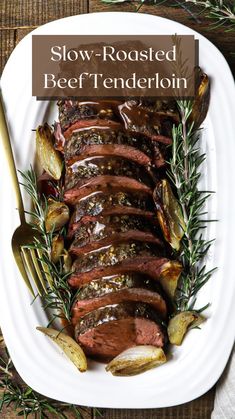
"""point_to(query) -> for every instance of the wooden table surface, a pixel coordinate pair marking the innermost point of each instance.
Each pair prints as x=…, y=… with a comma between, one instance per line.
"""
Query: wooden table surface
x=19, y=17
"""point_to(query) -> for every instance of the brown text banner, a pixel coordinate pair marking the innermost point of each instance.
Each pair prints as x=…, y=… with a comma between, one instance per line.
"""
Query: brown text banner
x=113, y=66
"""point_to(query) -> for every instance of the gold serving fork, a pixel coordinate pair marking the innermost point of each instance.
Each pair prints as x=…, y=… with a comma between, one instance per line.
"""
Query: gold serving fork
x=27, y=260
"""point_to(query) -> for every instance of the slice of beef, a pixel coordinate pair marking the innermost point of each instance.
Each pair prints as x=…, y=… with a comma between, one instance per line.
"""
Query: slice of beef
x=103, y=231
x=103, y=135
x=71, y=111
x=107, y=331
x=120, y=202
x=123, y=258
x=90, y=139
x=109, y=284
x=137, y=120
x=113, y=254
x=141, y=119
x=106, y=165
x=79, y=247
x=105, y=183
x=152, y=266
x=117, y=210
x=92, y=125
x=123, y=151
x=82, y=307
x=112, y=150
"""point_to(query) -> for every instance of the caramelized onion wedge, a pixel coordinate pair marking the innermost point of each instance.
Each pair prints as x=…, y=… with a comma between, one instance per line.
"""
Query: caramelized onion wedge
x=68, y=345
x=180, y=323
x=170, y=276
x=202, y=99
x=57, y=248
x=67, y=262
x=57, y=215
x=136, y=360
x=169, y=214
x=50, y=159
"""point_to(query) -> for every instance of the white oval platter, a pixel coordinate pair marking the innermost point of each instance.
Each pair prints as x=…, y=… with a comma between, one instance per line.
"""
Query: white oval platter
x=194, y=367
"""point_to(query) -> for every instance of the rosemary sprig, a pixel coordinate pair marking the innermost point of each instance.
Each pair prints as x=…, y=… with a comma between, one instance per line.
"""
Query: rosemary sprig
x=185, y=174
x=221, y=12
x=26, y=401
x=59, y=295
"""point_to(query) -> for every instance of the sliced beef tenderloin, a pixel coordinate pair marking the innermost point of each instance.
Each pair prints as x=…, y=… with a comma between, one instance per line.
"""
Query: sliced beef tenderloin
x=112, y=283
x=109, y=284
x=113, y=254
x=140, y=119
x=121, y=202
x=153, y=266
x=107, y=331
x=113, y=229
x=89, y=140
x=123, y=258
x=102, y=292
x=82, y=307
x=123, y=151
x=117, y=210
x=71, y=111
x=103, y=135
x=106, y=165
x=78, y=130
x=105, y=183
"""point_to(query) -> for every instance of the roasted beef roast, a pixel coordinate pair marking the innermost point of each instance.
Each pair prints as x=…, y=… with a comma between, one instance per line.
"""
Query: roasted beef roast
x=115, y=152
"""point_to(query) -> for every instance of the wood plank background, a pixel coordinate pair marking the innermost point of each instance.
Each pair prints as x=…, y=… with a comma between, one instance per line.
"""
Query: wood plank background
x=19, y=17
